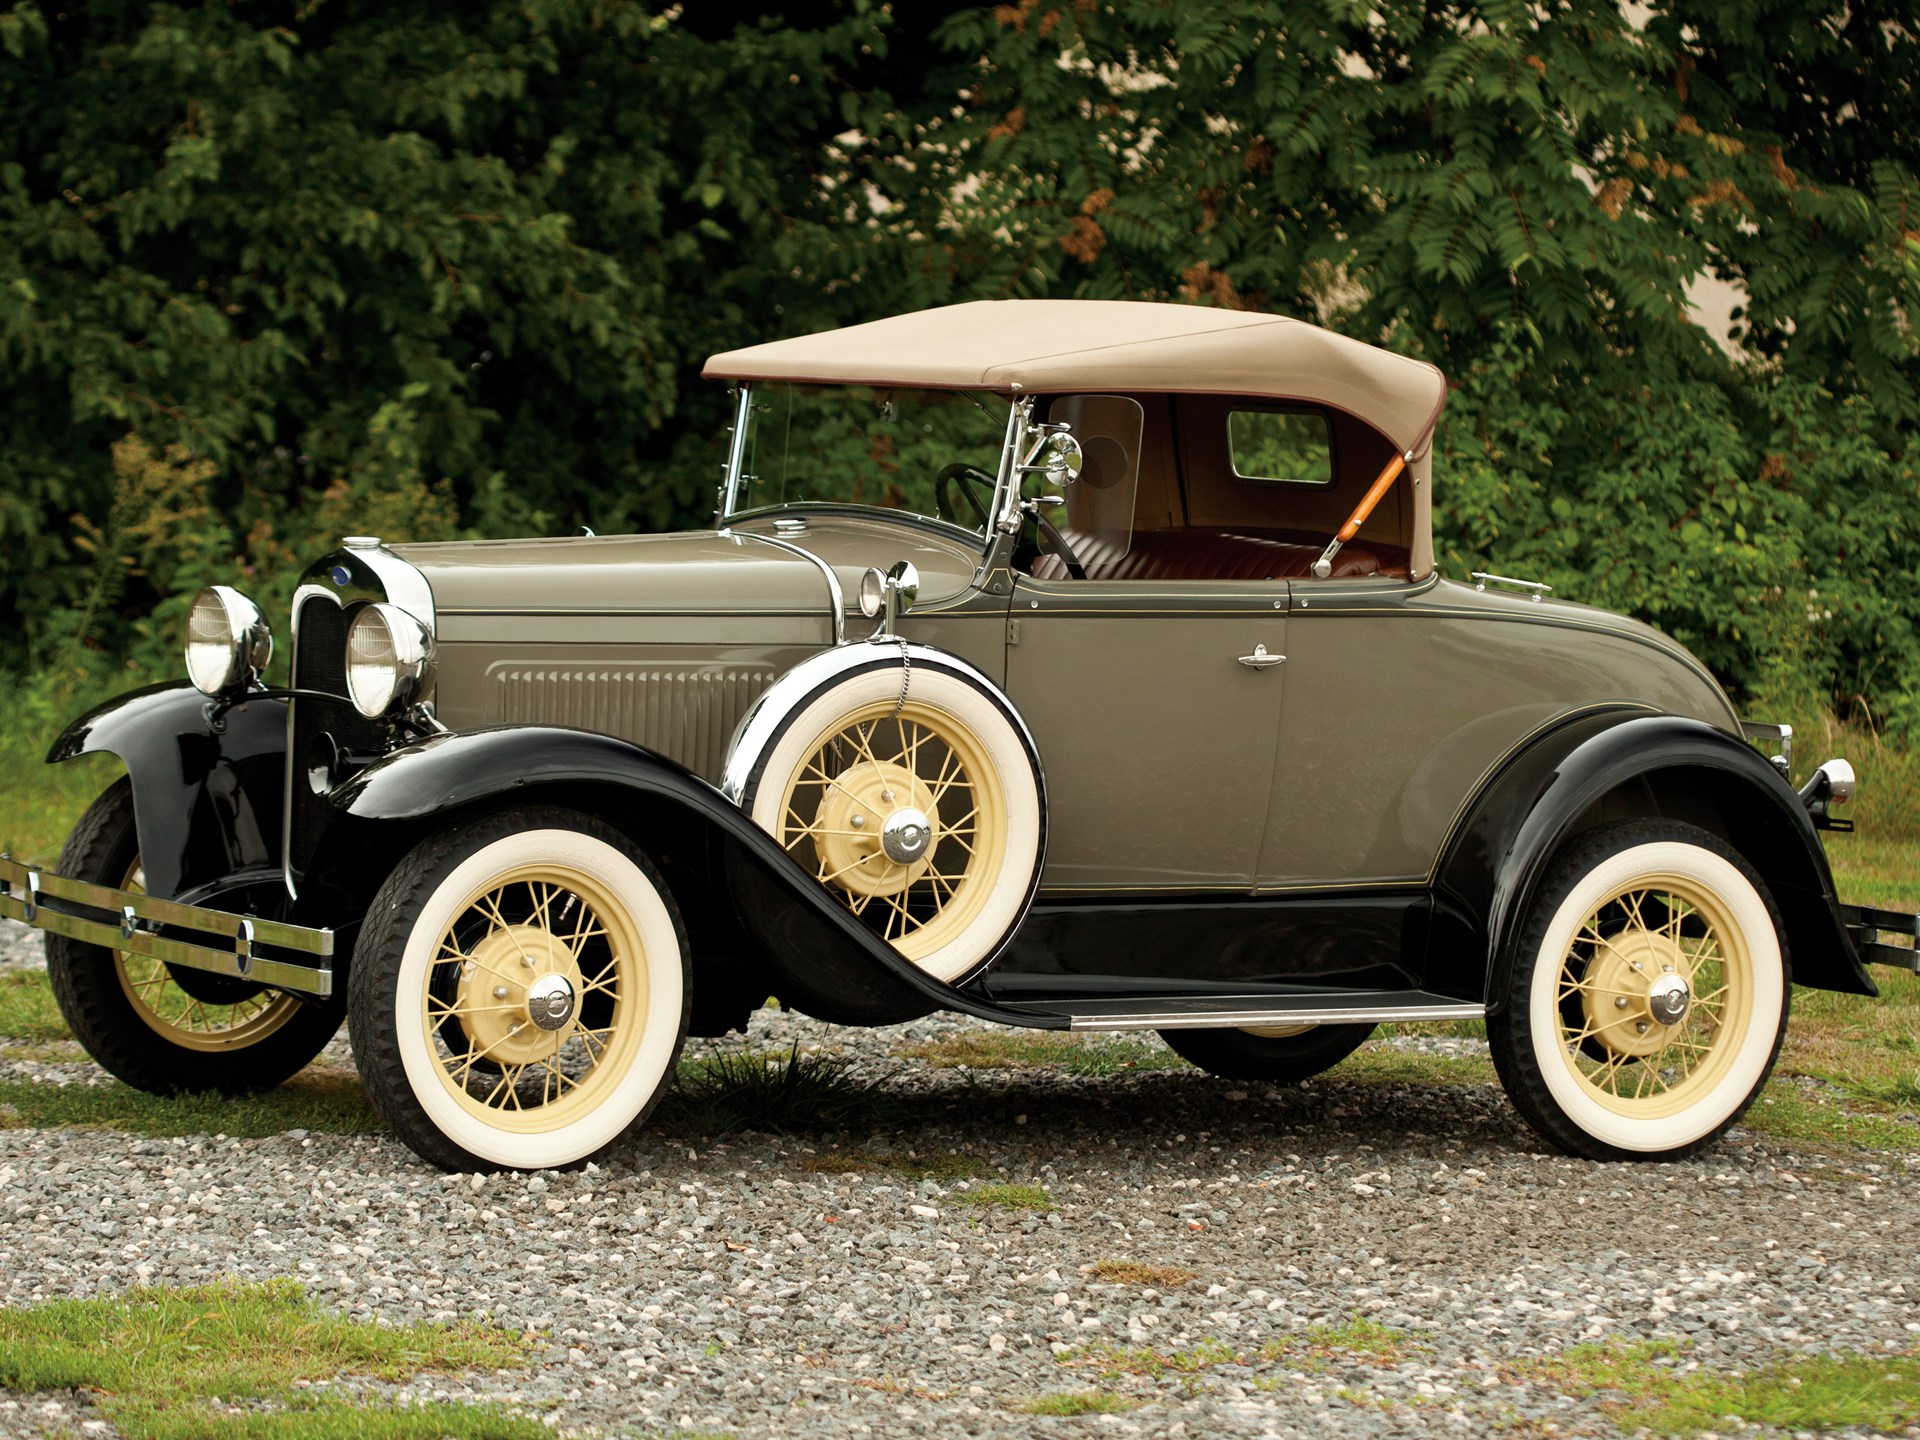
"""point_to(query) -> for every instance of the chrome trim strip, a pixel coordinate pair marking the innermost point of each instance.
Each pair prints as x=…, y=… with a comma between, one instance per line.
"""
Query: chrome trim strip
x=1006, y=485
x=836, y=595
x=736, y=452
x=1293, y=1015
x=1486, y=578
x=25, y=890
x=389, y=579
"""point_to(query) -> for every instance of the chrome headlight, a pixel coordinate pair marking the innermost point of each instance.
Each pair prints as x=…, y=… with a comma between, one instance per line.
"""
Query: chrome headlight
x=389, y=659
x=228, y=642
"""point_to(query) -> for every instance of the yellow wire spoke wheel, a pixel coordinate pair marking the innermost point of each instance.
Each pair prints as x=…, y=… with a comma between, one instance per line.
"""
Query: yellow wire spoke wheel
x=1655, y=994
x=519, y=991
x=899, y=810
x=159, y=1000
x=168, y=1030
x=536, y=998
x=1650, y=994
x=914, y=797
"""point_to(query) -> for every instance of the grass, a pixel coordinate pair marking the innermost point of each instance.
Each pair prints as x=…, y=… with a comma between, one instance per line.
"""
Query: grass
x=1823, y=1392
x=732, y=1090
x=328, y=1101
x=1355, y=1338
x=1115, y=1361
x=224, y=1361
x=1629, y=1367
x=1798, y=1393
x=1077, y=1402
x=1134, y=1272
x=1070, y=1054
x=1000, y=1196
x=27, y=1011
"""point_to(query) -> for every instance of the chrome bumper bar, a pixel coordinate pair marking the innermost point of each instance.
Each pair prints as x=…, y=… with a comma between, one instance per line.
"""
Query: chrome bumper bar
x=188, y=935
x=1869, y=927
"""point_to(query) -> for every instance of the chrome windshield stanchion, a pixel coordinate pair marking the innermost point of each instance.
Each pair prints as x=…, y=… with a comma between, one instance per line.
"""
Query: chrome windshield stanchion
x=736, y=452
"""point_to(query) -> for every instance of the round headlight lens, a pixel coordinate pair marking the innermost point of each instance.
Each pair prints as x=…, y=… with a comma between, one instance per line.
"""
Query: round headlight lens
x=228, y=642
x=389, y=659
x=873, y=593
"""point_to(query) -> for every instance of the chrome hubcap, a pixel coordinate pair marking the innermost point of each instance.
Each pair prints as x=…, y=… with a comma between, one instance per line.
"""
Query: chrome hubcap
x=1668, y=999
x=550, y=1002
x=906, y=835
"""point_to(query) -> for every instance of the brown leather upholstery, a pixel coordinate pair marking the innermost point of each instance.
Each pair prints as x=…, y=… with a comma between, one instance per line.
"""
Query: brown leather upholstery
x=1197, y=554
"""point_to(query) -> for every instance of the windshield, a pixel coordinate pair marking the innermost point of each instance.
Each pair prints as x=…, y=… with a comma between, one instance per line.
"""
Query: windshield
x=858, y=445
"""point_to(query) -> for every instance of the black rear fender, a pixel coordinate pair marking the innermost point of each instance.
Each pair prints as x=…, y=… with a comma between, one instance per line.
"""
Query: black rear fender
x=1619, y=765
x=207, y=781
x=734, y=884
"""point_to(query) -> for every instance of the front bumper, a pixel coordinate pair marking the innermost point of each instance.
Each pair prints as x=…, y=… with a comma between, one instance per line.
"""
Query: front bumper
x=1869, y=927
x=246, y=947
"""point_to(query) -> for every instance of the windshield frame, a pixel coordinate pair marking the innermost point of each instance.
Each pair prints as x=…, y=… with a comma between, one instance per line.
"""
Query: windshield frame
x=736, y=477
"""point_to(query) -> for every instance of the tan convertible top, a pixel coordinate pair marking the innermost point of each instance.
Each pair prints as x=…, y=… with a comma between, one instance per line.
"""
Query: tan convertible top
x=1050, y=346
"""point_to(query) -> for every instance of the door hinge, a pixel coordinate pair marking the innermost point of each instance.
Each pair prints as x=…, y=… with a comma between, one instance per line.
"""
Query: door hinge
x=1013, y=632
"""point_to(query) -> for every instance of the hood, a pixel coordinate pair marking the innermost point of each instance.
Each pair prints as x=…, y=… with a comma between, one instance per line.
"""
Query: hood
x=702, y=572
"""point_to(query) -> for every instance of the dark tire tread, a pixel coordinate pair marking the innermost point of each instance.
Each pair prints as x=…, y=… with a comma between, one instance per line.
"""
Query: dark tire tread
x=1278, y=1060
x=1509, y=1028
x=100, y=850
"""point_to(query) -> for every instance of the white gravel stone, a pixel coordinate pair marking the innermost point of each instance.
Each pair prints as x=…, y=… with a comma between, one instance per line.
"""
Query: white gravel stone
x=714, y=1283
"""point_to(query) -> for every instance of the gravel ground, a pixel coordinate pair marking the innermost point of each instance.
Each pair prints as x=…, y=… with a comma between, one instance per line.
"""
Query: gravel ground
x=724, y=1286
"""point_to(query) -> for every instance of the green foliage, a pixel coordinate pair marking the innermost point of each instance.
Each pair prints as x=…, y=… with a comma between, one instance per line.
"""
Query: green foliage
x=451, y=268
x=270, y=275
x=1525, y=197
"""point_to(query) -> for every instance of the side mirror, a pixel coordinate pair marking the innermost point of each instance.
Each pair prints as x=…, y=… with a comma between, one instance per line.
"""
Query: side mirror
x=1058, y=457
x=1064, y=457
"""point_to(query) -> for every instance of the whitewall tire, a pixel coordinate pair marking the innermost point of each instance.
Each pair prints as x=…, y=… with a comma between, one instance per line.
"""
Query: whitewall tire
x=925, y=816
x=1649, y=995
x=519, y=992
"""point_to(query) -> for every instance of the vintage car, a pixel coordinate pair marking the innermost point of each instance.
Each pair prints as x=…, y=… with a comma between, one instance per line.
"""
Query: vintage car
x=1077, y=665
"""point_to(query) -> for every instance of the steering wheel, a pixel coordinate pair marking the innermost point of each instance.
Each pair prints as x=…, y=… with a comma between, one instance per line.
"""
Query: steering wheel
x=1058, y=544
x=945, y=486
x=944, y=489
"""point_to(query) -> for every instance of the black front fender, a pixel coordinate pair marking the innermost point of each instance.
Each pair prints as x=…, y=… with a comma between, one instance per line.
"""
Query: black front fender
x=1618, y=764
x=813, y=945
x=206, y=780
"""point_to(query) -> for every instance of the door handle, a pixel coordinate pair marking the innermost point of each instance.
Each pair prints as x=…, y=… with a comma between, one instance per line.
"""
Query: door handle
x=1260, y=659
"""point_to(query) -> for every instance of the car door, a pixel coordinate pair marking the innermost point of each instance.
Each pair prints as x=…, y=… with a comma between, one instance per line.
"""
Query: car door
x=1155, y=706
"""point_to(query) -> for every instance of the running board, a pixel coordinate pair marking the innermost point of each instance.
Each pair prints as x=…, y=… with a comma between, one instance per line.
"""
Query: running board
x=1222, y=1012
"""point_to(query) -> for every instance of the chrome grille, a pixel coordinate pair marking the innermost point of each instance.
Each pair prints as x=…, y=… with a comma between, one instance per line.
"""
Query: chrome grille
x=688, y=715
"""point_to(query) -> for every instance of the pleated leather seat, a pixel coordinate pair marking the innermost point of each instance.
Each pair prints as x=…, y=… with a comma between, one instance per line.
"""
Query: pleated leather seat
x=1201, y=554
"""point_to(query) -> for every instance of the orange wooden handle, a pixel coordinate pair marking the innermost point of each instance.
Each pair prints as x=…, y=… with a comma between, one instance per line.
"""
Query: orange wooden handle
x=1372, y=498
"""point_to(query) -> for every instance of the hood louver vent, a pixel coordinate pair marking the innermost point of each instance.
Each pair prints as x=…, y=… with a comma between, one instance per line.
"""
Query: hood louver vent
x=687, y=715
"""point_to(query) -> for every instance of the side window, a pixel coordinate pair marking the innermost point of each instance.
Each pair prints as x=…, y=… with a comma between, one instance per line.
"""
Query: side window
x=1286, y=447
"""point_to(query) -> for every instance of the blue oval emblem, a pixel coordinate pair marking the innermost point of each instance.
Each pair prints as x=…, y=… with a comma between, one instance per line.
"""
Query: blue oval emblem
x=341, y=575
